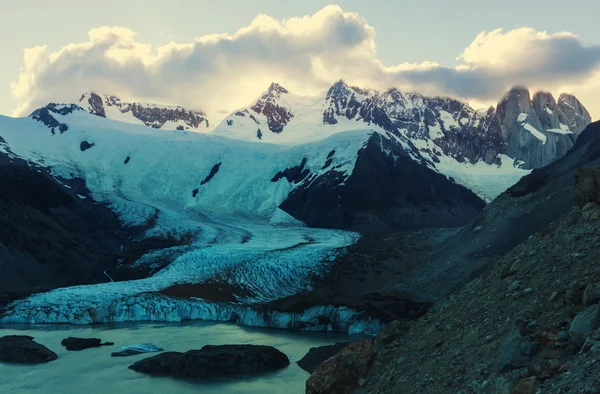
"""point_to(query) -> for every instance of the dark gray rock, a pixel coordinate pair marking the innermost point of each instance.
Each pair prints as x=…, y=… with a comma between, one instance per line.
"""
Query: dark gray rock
x=587, y=186
x=584, y=323
x=84, y=145
x=515, y=352
x=316, y=355
x=23, y=349
x=75, y=344
x=211, y=361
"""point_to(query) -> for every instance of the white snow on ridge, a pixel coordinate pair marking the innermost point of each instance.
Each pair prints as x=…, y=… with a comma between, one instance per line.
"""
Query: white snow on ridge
x=305, y=126
x=487, y=181
x=165, y=167
x=536, y=133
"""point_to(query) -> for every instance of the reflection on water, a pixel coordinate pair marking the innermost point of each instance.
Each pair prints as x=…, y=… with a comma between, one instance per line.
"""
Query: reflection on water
x=94, y=371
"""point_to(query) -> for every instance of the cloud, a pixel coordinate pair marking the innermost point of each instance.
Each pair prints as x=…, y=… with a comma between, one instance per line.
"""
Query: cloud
x=306, y=54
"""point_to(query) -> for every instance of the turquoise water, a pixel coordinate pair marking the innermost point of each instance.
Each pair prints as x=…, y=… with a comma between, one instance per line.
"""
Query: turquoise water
x=94, y=371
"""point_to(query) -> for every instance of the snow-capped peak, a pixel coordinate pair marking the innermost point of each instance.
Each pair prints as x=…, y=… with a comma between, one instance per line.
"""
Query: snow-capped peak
x=152, y=115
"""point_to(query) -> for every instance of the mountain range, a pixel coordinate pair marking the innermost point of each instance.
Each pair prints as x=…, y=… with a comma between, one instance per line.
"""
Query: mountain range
x=533, y=131
x=217, y=223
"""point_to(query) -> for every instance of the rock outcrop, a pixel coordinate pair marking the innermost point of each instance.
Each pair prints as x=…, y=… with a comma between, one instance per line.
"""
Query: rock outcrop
x=587, y=186
x=316, y=355
x=152, y=115
x=343, y=372
x=211, y=361
x=277, y=115
x=539, y=131
x=23, y=349
x=75, y=344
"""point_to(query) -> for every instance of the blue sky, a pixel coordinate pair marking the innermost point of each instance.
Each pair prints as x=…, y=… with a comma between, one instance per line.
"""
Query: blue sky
x=399, y=32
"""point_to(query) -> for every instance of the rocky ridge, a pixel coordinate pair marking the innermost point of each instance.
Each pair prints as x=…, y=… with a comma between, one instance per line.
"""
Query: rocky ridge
x=516, y=322
x=533, y=131
x=151, y=115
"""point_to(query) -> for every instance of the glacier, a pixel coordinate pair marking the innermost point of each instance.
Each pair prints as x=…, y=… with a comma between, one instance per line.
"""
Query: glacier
x=234, y=232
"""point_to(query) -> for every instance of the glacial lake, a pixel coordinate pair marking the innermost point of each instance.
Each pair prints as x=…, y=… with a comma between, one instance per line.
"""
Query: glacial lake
x=94, y=371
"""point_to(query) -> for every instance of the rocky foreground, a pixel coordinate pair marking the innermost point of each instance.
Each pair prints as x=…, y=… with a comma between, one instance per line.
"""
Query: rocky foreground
x=530, y=324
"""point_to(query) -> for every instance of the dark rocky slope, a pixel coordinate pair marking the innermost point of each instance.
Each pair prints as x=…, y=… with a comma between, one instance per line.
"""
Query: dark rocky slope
x=398, y=275
x=533, y=203
x=387, y=189
x=50, y=237
x=518, y=324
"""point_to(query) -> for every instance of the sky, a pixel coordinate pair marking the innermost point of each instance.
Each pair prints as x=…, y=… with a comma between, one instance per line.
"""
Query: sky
x=218, y=56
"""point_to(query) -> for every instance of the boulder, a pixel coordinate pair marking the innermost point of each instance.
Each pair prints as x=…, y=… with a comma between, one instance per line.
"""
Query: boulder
x=23, y=349
x=591, y=294
x=527, y=386
x=591, y=211
x=515, y=352
x=213, y=361
x=584, y=323
x=587, y=186
x=72, y=343
x=343, y=372
x=316, y=355
x=138, y=348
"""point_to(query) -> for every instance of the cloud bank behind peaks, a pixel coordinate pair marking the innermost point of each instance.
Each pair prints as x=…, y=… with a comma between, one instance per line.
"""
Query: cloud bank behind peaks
x=306, y=54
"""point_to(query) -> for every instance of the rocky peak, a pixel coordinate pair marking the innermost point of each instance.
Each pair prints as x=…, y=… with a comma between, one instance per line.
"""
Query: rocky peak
x=517, y=99
x=342, y=100
x=545, y=108
x=151, y=115
x=277, y=89
x=47, y=115
x=572, y=113
x=271, y=106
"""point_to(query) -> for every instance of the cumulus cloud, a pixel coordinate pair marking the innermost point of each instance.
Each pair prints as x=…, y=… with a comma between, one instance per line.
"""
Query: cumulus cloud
x=306, y=54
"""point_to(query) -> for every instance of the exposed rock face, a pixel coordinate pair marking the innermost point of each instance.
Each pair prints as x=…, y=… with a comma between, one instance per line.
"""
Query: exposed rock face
x=151, y=115
x=46, y=115
x=534, y=130
x=213, y=361
x=23, y=349
x=56, y=238
x=277, y=115
x=572, y=113
x=345, y=101
x=85, y=145
x=342, y=373
x=384, y=191
x=587, y=186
